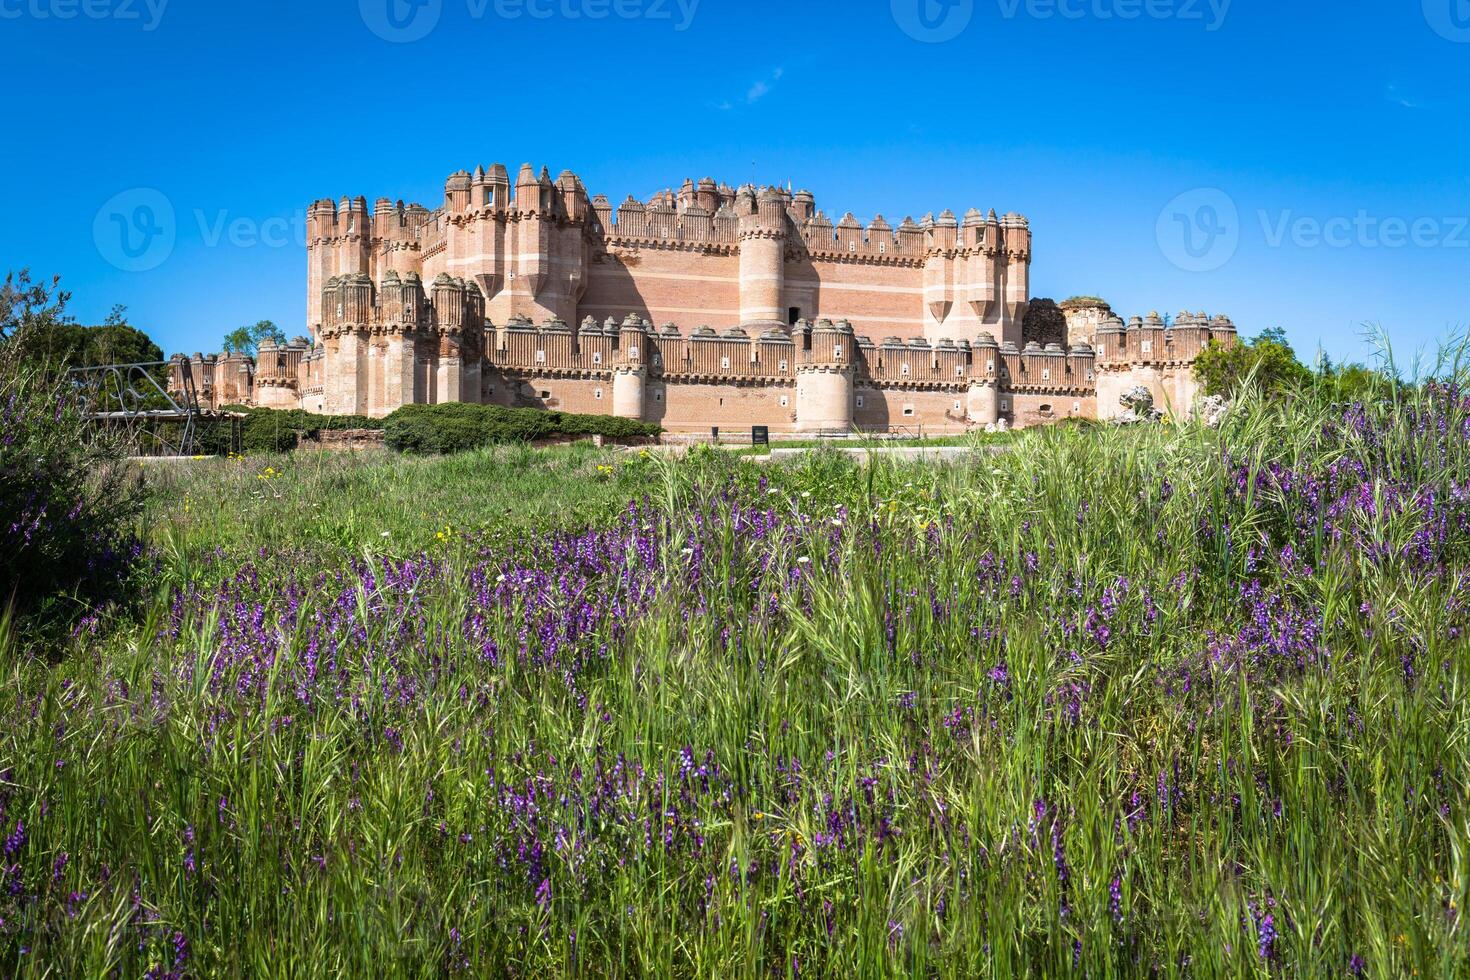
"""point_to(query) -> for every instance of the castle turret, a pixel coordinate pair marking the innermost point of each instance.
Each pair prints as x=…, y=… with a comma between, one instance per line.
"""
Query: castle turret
x=347, y=322
x=940, y=237
x=630, y=372
x=824, y=379
x=1017, y=256
x=762, y=258
x=457, y=188
x=983, y=399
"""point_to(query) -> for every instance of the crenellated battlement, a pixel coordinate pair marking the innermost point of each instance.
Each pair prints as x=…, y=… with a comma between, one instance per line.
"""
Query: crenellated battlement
x=524, y=289
x=1152, y=341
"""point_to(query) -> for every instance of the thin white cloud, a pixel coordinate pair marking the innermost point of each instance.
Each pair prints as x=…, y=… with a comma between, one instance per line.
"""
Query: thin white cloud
x=760, y=89
x=757, y=91
x=1398, y=98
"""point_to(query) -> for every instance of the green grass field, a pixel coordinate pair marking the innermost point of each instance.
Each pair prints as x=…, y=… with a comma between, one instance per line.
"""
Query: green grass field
x=1165, y=701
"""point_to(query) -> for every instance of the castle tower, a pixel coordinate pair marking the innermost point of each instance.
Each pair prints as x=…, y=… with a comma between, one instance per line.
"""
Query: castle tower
x=983, y=399
x=630, y=372
x=824, y=379
x=347, y=324
x=940, y=238
x=1017, y=231
x=762, y=258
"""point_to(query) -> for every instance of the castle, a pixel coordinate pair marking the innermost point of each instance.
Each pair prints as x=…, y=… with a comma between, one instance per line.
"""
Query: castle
x=536, y=294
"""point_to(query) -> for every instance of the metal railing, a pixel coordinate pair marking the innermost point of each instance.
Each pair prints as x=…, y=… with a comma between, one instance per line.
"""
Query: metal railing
x=154, y=417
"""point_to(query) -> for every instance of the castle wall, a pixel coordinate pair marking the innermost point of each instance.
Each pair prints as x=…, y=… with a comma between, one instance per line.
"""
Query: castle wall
x=769, y=314
x=910, y=410
x=731, y=407
x=663, y=285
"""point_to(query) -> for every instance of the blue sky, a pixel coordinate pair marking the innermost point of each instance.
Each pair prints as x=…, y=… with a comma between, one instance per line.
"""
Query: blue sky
x=1298, y=164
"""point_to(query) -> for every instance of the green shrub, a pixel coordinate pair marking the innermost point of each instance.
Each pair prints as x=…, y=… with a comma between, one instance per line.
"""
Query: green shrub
x=68, y=500
x=269, y=430
x=457, y=427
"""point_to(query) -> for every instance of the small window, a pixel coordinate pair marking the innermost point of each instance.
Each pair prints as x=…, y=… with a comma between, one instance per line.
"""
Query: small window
x=785, y=401
x=597, y=393
x=546, y=394
x=957, y=405
x=904, y=370
x=1046, y=374
x=540, y=357
x=1076, y=406
x=959, y=370
x=1005, y=406
x=852, y=246
x=658, y=396
x=1089, y=375
x=632, y=353
x=597, y=357
x=1102, y=349
x=908, y=411
x=1045, y=410
x=859, y=401
x=783, y=366
x=990, y=365
x=725, y=363
x=793, y=314
x=837, y=352
x=882, y=248
x=1148, y=346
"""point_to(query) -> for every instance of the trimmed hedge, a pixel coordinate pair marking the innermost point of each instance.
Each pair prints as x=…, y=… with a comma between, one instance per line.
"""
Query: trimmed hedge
x=269, y=430
x=456, y=427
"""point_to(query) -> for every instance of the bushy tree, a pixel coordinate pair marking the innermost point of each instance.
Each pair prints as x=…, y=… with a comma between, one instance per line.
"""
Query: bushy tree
x=246, y=340
x=1267, y=361
x=67, y=500
x=58, y=340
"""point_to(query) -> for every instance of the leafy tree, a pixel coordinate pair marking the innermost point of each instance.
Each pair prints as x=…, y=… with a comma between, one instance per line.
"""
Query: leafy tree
x=54, y=338
x=1267, y=361
x=30, y=306
x=117, y=342
x=246, y=340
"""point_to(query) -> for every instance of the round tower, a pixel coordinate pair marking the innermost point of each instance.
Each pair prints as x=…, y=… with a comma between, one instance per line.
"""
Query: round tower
x=629, y=383
x=824, y=380
x=762, y=258
x=983, y=399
